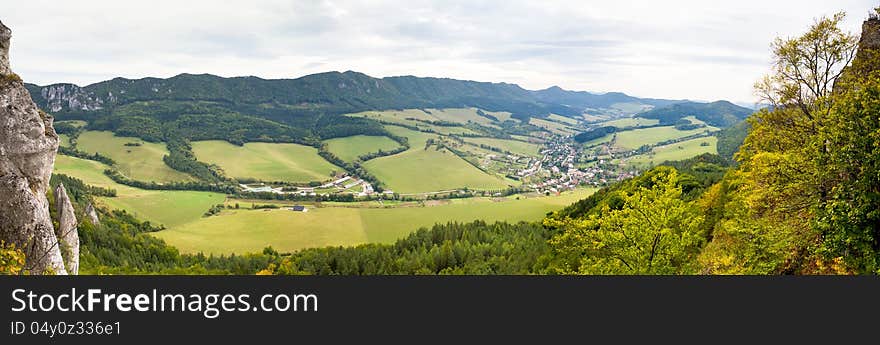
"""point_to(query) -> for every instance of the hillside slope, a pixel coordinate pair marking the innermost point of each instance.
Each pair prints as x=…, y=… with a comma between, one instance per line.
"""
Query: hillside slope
x=719, y=113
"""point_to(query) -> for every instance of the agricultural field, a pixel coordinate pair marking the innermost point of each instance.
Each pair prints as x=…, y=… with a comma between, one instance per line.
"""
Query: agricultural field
x=556, y=128
x=416, y=139
x=588, y=118
x=135, y=158
x=446, y=130
x=673, y=152
x=169, y=208
x=563, y=119
x=533, y=140
x=350, y=148
x=404, y=117
x=599, y=141
x=630, y=122
x=420, y=170
x=648, y=136
x=460, y=115
x=266, y=161
x=517, y=147
x=245, y=230
x=501, y=115
x=427, y=170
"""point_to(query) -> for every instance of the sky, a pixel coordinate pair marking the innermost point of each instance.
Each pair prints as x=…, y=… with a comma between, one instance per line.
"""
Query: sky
x=698, y=50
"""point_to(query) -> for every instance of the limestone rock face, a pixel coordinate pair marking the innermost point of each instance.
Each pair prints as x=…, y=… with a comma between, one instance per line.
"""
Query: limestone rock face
x=92, y=214
x=5, y=36
x=27, y=154
x=869, y=46
x=66, y=232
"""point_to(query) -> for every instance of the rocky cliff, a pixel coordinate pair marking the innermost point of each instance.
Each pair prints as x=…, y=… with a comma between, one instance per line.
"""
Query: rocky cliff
x=27, y=154
x=5, y=37
x=68, y=237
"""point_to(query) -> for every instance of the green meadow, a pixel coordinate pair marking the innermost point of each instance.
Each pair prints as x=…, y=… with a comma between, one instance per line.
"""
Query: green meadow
x=139, y=160
x=422, y=169
x=563, y=119
x=266, y=161
x=429, y=170
x=414, y=117
x=63, y=140
x=170, y=208
x=673, y=152
x=350, y=148
x=515, y=146
x=554, y=127
x=648, y=136
x=460, y=115
x=245, y=230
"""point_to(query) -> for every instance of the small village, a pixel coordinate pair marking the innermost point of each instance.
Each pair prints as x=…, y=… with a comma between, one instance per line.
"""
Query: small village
x=558, y=169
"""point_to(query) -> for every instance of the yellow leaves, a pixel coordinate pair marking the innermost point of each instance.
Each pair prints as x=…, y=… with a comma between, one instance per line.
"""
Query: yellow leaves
x=12, y=259
x=835, y=266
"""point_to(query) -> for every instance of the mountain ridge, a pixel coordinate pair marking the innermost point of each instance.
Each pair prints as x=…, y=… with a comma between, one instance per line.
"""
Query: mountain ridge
x=354, y=89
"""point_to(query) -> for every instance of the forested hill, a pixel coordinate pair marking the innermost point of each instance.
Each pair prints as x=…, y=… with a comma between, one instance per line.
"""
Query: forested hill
x=587, y=100
x=285, y=100
x=327, y=93
x=719, y=113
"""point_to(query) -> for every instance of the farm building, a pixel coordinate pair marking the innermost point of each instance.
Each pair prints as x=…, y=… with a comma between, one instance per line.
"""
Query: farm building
x=298, y=208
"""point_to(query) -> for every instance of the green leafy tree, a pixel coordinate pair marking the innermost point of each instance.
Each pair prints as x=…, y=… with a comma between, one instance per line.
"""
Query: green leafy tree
x=655, y=232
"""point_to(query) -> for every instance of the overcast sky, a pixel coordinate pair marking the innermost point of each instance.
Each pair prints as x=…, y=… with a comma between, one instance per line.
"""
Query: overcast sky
x=701, y=50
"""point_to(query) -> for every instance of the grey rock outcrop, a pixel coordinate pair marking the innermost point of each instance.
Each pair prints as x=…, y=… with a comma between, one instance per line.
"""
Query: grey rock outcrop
x=5, y=36
x=92, y=214
x=68, y=237
x=27, y=154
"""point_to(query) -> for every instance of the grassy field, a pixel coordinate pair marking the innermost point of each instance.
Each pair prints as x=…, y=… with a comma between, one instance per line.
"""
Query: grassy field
x=63, y=140
x=563, y=119
x=646, y=136
x=460, y=115
x=427, y=170
x=350, y=148
x=419, y=170
x=408, y=117
x=266, y=161
x=515, y=146
x=242, y=231
x=630, y=122
x=75, y=123
x=501, y=115
x=551, y=126
x=598, y=141
x=416, y=139
x=674, y=152
x=247, y=230
x=142, y=162
x=170, y=208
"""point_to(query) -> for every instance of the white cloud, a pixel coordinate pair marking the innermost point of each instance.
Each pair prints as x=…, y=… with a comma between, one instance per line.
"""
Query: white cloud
x=671, y=49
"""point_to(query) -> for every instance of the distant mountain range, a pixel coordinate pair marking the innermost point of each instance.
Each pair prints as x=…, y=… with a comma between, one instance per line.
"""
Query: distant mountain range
x=330, y=92
x=585, y=100
x=309, y=108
